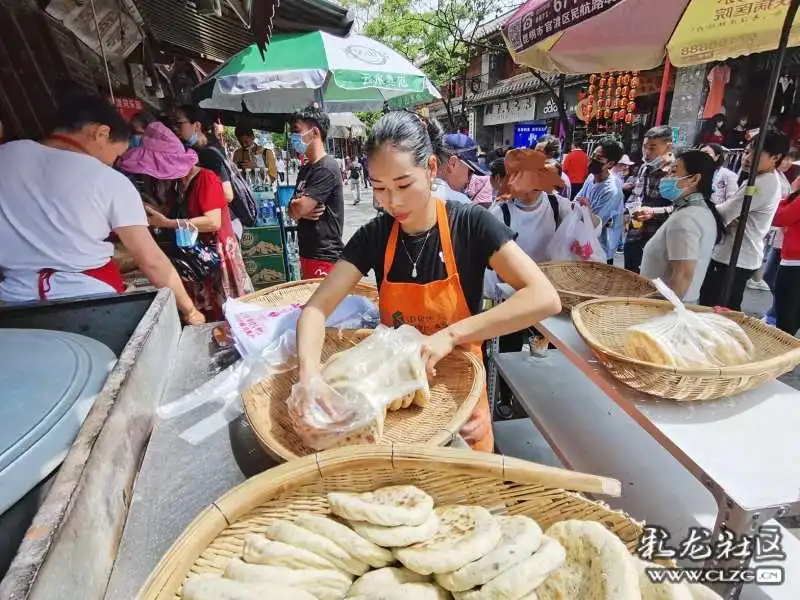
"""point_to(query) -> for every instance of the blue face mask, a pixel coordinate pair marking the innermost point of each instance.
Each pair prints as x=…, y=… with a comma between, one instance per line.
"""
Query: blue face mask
x=668, y=188
x=192, y=140
x=298, y=144
x=135, y=141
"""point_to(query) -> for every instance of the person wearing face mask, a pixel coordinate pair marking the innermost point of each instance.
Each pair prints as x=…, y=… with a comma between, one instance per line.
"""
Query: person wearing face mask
x=763, y=205
x=61, y=201
x=602, y=193
x=318, y=203
x=658, y=159
x=680, y=251
x=429, y=256
x=458, y=161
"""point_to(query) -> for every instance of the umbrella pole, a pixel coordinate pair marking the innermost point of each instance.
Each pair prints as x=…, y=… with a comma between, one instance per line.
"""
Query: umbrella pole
x=662, y=95
x=777, y=65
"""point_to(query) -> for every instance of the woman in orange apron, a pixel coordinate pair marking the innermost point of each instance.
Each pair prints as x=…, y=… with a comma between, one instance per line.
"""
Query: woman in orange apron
x=429, y=257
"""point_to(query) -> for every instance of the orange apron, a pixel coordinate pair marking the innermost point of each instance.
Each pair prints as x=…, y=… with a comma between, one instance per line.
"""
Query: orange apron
x=430, y=307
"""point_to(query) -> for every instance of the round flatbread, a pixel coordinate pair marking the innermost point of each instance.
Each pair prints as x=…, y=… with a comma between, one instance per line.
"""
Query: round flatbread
x=214, y=587
x=521, y=537
x=390, y=506
x=522, y=579
x=400, y=536
x=660, y=591
x=349, y=540
x=261, y=551
x=465, y=534
x=384, y=579
x=408, y=591
x=289, y=533
x=597, y=566
x=323, y=584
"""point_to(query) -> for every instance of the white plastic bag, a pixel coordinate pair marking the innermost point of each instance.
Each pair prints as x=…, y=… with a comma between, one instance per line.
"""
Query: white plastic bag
x=575, y=238
x=688, y=339
x=348, y=402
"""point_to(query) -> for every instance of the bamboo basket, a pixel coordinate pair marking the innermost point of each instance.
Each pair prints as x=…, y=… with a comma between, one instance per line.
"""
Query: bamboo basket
x=578, y=281
x=501, y=484
x=454, y=393
x=602, y=325
x=299, y=292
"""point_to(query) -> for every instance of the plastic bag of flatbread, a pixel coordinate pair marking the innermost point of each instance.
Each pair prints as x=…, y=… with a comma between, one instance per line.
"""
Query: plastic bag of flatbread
x=688, y=339
x=347, y=404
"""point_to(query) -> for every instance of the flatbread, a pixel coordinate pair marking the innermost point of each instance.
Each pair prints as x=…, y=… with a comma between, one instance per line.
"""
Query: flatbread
x=521, y=537
x=383, y=579
x=213, y=587
x=289, y=533
x=598, y=566
x=466, y=533
x=398, y=537
x=390, y=506
x=261, y=551
x=360, y=548
x=408, y=591
x=323, y=584
x=660, y=591
x=523, y=578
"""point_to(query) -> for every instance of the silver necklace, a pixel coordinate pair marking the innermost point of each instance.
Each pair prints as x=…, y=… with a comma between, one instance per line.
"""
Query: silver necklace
x=411, y=260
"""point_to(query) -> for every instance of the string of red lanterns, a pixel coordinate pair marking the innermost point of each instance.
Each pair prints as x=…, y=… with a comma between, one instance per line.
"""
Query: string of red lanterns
x=611, y=96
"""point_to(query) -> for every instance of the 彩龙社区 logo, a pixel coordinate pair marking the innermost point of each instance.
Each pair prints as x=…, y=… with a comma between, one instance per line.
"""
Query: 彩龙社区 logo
x=371, y=56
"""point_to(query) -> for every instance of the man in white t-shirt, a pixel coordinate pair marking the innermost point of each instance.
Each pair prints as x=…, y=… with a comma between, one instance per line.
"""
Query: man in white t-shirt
x=59, y=203
x=762, y=208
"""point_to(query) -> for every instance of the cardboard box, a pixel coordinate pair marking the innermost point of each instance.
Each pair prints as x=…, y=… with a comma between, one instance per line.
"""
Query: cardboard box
x=265, y=271
x=261, y=241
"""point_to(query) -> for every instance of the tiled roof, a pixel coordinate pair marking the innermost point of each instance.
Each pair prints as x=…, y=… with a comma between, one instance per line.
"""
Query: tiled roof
x=521, y=84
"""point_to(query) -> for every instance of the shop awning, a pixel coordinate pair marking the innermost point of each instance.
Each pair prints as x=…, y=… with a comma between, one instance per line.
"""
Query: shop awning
x=346, y=125
x=176, y=23
x=521, y=84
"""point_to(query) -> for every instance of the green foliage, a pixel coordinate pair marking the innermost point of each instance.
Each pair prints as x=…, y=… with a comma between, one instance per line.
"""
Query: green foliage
x=368, y=118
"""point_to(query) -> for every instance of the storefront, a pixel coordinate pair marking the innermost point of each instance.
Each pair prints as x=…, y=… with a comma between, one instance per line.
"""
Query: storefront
x=500, y=119
x=547, y=107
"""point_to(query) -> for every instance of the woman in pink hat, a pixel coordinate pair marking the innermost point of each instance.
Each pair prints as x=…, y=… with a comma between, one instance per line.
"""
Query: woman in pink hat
x=197, y=194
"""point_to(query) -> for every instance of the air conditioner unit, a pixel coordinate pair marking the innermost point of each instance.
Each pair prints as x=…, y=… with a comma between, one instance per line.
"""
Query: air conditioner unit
x=208, y=8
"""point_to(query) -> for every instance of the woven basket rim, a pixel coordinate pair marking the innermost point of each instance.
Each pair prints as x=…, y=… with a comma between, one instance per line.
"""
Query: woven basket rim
x=596, y=266
x=277, y=449
x=745, y=369
x=255, y=296
x=314, y=468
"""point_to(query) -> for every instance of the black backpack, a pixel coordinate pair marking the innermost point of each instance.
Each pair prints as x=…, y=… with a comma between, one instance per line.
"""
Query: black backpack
x=243, y=206
x=553, y=205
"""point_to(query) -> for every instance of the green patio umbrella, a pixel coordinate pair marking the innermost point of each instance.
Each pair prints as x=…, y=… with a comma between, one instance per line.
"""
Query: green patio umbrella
x=348, y=74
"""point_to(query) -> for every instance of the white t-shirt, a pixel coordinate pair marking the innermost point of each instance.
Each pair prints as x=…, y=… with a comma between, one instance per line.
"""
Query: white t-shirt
x=56, y=210
x=764, y=204
x=688, y=234
x=726, y=182
x=534, y=227
x=442, y=190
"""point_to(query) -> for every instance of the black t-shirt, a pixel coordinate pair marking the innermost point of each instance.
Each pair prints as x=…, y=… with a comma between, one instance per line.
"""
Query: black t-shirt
x=476, y=236
x=211, y=159
x=322, y=181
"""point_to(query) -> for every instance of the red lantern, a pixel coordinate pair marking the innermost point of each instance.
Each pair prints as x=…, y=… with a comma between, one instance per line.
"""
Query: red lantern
x=601, y=93
x=592, y=90
x=626, y=80
x=625, y=90
x=629, y=118
x=603, y=82
x=618, y=92
x=632, y=95
x=634, y=82
x=631, y=106
x=592, y=78
x=590, y=100
x=607, y=114
x=620, y=79
x=581, y=95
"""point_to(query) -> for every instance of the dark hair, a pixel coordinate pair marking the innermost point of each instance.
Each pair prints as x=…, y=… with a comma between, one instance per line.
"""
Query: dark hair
x=498, y=167
x=142, y=118
x=719, y=151
x=775, y=144
x=717, y=118
x=195, y=114
x=697, y=162
x=552, y=145
x=312, y=115
x=408, y=132
x=242, y=130
x=662, y=132
x=793, y=153
x=557, y=165
x=612, y=149
x=77, y=112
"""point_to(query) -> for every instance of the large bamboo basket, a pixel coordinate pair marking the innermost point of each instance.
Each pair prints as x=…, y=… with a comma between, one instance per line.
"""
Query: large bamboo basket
x=578, y=281
x=503, y=485
x=454, y=393
x=299, y=292
x=602, y=325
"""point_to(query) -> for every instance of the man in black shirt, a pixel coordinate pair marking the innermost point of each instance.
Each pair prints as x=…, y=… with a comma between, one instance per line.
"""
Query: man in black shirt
x=318, y=203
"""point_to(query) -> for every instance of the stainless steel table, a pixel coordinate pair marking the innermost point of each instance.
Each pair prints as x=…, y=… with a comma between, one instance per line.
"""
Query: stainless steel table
x=744, y=450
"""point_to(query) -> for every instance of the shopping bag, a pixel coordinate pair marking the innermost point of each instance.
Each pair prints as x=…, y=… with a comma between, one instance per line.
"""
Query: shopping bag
x=576, y=238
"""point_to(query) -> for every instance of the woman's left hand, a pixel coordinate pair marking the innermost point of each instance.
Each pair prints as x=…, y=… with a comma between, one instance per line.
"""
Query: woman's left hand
x=434, y=348
x=155, y=218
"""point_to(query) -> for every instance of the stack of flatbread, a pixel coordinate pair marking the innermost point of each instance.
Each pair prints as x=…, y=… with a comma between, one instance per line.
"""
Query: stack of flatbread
x=444, y=553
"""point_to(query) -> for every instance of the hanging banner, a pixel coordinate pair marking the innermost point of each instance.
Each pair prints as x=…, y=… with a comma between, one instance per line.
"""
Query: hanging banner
x=537, y=20
x=119, y=31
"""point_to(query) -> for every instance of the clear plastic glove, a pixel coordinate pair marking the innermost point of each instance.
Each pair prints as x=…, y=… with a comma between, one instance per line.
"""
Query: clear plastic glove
x=434, y=348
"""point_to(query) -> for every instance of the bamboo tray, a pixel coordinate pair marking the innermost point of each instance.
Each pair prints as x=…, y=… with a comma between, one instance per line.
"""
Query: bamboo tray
x=578, y=281
x=299, y=292
x=501, y=484
x=454, y=393
x=602, y=324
